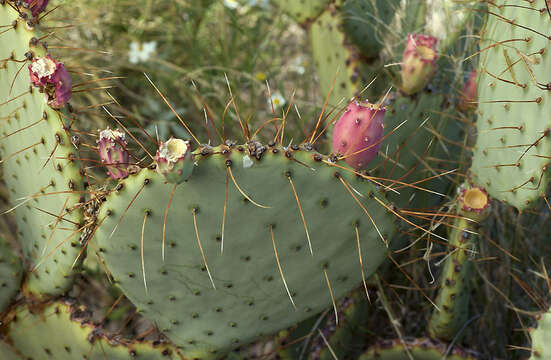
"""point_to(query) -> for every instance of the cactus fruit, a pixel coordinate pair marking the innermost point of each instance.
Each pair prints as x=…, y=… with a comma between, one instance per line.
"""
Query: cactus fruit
x=72, y=336
x=174, y=160
x=10, y=274
x=418, y=62
x=512, y=150
x=453, y=297
x=266, y=278
x=469, y=94
x=113, y=153
x=35, y=138
x=419, y=349
x=357, y=135
x=36, y=6
x=52, y=79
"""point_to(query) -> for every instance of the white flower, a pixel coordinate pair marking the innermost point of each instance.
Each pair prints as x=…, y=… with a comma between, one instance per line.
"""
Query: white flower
x=277, y=99
x=260, y=3
x=231, y=4
x=298, y=65
x=141, y=52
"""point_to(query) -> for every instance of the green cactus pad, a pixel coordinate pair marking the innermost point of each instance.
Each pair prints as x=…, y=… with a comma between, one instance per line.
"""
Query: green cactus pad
x=304, y=10
x=35, y=150
x=365, y=23
x=414, y=152
x=74, y=337
x=333, y=57
x=513, y=147
x=420, y=349
x=7, y=353
x=453, y=297
x=250, y=297
x=346, y=339
x=541, y=337
x=10, y=274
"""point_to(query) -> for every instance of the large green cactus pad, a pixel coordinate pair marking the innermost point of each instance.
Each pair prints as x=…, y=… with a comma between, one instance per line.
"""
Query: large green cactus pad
x=10, y=274
x=35, y=150
x=513, y=148
x=420, y=349
x=250, y=297
x=62, y=331
x=303, y=10
x=336, y=61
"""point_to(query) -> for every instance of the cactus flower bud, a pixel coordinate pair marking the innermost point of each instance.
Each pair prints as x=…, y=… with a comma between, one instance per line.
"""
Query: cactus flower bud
x=174, y=160
x=36, y=6
x=418, y=62
x=113, y=153
x=53, y=79
x=469, y=95
x=358, y=133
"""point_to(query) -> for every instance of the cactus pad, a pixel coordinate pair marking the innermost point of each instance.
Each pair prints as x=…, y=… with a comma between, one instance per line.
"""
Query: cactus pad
x=250, y=298
x=10, y=274
x=420, y=349
x=513, y=147
x=332, y=56
x=541, y=336
x=75, y=337
x=43, y=181
x=303, y=10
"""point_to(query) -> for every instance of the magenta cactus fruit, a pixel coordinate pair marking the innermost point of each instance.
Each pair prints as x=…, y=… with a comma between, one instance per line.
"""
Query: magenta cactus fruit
x=418, y=62
x=469, y=94
x=36, y=6
x=113, y=153
x=358, y=134
x=53, y=80
x=175, y=160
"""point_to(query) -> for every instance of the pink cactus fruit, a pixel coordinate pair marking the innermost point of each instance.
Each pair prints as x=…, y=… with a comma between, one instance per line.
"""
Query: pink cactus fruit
x=175, y=160
x=36, y=6
x=358, y=133
x=113, y=153
x=418, y=62
x=53, y=80
x=469, y=94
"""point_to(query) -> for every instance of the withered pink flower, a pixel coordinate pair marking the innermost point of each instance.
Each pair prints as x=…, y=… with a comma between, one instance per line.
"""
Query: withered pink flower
x=53, y=79
x=36, y=6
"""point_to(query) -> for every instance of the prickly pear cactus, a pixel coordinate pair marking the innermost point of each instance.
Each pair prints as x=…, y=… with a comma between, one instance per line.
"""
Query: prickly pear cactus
x=10, y=274
x=513, y=148
x=267, y=277
x=39, y=162
x=73, y=337
x=419, y=349
x=541, y=336
x=365, y=20
x=304, y=10
x=336, y=60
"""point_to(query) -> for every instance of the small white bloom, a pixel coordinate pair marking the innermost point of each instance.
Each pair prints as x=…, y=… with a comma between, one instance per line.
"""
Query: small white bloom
x=141, y=52
x=277, y=99
x=298, y=65
x=231, y=4
x=260, y=3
